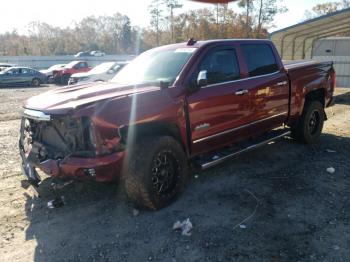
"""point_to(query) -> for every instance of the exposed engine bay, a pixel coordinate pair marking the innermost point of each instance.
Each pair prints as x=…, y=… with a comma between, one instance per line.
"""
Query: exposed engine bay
x=55, y=139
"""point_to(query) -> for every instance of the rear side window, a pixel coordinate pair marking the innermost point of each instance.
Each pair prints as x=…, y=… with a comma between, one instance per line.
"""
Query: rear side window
x=221, y=66
x=260, y=59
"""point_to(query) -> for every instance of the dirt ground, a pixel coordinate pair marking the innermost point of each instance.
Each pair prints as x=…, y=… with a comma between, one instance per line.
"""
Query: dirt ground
x=291, y=208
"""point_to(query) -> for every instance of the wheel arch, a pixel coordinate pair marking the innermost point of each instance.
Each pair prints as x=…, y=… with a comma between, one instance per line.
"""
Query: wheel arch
x=135, y=132
x=316, y=95
x=36, y=78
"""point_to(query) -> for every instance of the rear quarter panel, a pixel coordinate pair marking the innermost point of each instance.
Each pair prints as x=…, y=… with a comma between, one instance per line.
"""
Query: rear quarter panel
x=306, y=77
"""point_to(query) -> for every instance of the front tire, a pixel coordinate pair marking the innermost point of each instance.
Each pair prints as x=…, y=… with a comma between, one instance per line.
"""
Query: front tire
x=156, y=172
x=309, y=127
x=35, y=82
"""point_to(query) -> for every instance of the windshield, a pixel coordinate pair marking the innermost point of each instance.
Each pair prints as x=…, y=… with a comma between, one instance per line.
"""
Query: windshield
x=102, y=68
x=154, y=66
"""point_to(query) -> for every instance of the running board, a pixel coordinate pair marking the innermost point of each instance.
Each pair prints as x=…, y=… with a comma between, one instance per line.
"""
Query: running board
x=218, y=157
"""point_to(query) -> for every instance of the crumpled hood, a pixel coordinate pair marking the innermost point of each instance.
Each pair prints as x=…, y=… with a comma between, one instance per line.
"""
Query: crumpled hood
x=64, y=99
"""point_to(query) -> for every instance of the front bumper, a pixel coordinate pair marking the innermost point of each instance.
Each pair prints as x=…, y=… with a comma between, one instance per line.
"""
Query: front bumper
x=102, y=169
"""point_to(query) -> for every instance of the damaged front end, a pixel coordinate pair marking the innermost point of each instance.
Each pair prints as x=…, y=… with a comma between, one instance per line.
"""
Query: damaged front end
x=48, y=141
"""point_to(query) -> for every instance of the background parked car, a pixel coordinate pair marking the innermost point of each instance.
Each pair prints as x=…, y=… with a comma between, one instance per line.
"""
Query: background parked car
x=16, y=76
x=102, y=72
x=97, y=53
x=49, y=72
x=82, y=54
x=62, y=75
x=3, y=66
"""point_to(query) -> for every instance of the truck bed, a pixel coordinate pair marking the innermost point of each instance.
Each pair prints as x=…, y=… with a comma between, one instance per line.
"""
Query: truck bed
x=289, y=65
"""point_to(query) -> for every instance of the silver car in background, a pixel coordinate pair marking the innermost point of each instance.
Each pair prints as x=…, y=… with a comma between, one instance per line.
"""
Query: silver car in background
x=103, y=72
x=49, y=72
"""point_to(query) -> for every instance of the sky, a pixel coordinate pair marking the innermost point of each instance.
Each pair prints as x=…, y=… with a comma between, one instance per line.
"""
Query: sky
x=19, y=13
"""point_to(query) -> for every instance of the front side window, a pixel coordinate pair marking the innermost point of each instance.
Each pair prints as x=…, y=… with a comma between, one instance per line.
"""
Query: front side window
x=221, y=66
x=82, y=65
x=260, y=59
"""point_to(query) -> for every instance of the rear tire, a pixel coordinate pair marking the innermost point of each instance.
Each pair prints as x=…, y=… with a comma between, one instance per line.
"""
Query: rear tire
x=156, y=172
x=309, y=126
x=35, y=82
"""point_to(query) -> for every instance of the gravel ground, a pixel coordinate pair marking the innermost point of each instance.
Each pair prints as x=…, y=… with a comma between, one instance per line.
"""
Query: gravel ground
x=293, y=210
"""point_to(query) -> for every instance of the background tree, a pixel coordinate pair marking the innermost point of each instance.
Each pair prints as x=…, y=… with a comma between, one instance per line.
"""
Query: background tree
x=248, y=5
x=326, y=8
x=115, y=34
x=156, y=13
x=266, y=12
x=171, y=5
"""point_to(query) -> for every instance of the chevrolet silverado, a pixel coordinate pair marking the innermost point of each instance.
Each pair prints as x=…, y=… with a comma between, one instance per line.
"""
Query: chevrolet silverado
x=196, y=103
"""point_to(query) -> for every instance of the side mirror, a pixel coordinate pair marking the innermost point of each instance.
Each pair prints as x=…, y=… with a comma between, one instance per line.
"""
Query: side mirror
x=202, y=78
x=110, y=71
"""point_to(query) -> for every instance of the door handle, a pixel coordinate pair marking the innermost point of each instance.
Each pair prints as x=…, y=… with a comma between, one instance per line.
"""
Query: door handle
x=241, y=92
x=281, y=83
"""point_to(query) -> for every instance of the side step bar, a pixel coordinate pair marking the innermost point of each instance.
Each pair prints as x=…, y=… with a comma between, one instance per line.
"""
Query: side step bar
x=275, y=134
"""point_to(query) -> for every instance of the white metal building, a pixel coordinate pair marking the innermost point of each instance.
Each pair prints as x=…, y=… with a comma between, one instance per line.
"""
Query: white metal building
x=336, y=49
x=310, y=39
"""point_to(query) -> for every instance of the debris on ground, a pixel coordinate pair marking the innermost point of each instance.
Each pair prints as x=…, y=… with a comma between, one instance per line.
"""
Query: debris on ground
x=240, y=224
x=55, y=203
x=335, y=247
x=196, y=176
x=135, y=212
x=330, y=170
x=186, y=227
x=331, y=151
x=32, y=207
x=56, y=185
x=215, y=157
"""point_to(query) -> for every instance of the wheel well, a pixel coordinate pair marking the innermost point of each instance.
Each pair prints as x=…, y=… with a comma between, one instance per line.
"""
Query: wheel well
x=142, y=130
x=36, y=78
x=316, y=95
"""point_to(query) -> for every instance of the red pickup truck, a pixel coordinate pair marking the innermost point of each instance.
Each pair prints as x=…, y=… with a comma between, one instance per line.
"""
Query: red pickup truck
x=191, y=103
x=62, y=75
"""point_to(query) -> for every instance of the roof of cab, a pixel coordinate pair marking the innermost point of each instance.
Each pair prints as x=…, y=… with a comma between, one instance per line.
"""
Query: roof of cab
x=201, y=43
